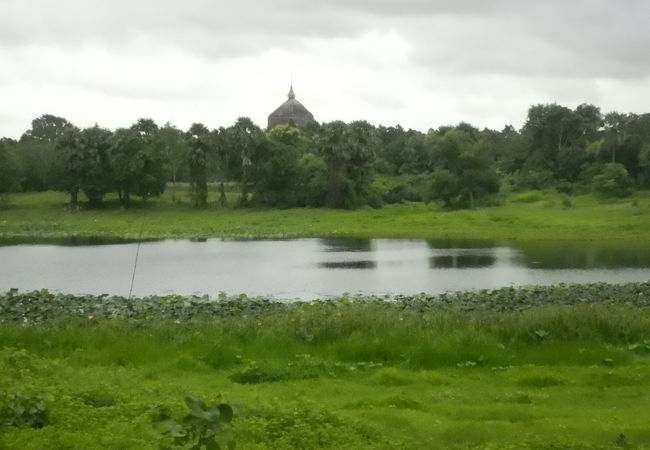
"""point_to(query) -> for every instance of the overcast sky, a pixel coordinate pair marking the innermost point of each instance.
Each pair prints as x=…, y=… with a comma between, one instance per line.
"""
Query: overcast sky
x=418, y=63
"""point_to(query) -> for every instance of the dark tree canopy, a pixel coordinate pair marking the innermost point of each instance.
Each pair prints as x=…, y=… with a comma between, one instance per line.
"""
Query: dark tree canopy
x=336, y=164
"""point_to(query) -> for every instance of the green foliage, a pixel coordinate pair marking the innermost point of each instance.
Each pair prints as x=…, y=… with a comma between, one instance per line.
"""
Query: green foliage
x=277, y=174
x=566, y=202
x=173, y=144
x=202, y=428
x=446, y=186
x=528, y=197
x=559, y=137
x=48, y=128
x=198, y=137
x=246, y=140
x=43, y=306
x=302, y=368
x=531, y=179
x=612, y=181
x=138, y=166
x=21, y=409
x=464, y=174
x=509, y=372
x=404, y=188
x=307, y=425
x=333, y=164
x=312, y=183
x=35, y=152
x=36, y=160
x=644, y=166
x=98, y=398
x=348, y=151
x=9, y=169
x=82, y=163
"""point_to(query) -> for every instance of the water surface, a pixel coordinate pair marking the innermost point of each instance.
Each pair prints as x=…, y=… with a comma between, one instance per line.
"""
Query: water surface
x=312, y=268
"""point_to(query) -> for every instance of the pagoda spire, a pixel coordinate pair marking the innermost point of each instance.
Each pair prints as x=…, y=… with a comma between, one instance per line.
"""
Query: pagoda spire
x=291, y=94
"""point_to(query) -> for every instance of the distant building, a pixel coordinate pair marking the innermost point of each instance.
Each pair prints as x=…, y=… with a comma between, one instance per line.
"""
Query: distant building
x=291, y=112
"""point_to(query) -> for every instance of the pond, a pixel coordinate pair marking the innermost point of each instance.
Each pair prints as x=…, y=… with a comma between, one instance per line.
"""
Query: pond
x=312, y=268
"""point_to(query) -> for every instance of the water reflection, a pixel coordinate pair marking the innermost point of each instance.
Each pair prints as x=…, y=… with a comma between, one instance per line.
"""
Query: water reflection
x=72, y=241
x=348, y=265
x=461, y=243
x=582, y=255
x=461, y=261
x=346, y=244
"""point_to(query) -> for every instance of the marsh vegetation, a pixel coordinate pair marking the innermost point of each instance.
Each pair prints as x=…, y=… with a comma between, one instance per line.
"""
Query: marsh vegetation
x=498, y=369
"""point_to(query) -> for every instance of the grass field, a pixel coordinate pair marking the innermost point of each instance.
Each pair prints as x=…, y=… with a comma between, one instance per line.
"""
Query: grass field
x=536, y=215
x=338, y=375
x=564, y=367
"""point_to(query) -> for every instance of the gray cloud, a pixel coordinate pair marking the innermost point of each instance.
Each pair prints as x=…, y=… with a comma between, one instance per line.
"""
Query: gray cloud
x=559, y=38
x=472, y=60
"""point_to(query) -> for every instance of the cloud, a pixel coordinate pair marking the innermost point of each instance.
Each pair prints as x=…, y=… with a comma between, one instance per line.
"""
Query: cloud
x=421, y=63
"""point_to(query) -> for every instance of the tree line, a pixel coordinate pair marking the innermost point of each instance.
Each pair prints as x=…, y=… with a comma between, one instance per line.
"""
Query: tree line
x=335, y=164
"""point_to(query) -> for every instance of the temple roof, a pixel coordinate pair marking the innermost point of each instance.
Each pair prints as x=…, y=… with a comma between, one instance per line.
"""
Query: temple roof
x=290, y=112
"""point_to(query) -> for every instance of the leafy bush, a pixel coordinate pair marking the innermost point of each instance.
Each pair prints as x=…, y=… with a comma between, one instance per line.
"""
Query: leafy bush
x=564, y=187
x=532, y=179
x=528, y=197
x=613, y=180
x=98, y=398
x=203, y=426
x=404, y=188
x=307, y=426
x=23, y=409
x=302, y=369
x=391, y=376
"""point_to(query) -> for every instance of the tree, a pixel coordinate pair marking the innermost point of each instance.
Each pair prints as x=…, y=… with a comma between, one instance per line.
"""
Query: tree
x=400, y=151
x=644, y=166
x=276, y=171
x=35, y=160
x=612, y=181
x=246, y=139
x=198, y=164
x=615, y=131
x=68, y=166
x=138, y=164
x=48, y=128
x=445, y=186
x=9, y=170
x=82, y=163
x=173, y=144
x=35, y=152
x=221, y=160
x=464, y=173
x=97, y=174
x=559, y=137
x=348, y=152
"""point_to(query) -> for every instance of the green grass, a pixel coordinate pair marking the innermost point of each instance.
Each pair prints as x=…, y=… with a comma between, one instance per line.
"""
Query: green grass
x=348, y=376
x=539, y=215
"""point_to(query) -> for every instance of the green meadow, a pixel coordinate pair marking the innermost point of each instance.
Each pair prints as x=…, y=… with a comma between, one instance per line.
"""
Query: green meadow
x=543, y=215
x=507, y=369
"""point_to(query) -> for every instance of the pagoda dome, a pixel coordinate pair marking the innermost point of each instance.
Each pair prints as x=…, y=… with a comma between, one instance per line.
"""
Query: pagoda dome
x=291, y=112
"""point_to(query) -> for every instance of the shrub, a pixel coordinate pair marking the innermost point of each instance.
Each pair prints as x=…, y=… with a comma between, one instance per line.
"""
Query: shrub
x=22, y=409
x=203, y=426
x=532, y=179
x=564, y=187
x=528, y=197
x=613, y=180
